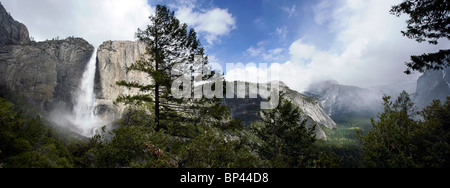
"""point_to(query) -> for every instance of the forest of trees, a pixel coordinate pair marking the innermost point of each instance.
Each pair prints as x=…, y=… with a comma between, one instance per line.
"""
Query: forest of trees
x=161, y=131
x=404, y=138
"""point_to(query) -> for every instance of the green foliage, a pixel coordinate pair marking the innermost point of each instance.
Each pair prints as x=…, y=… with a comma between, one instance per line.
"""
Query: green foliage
x=131, y=146
x=21, y=104
x=29, y=143
x=169, y=45
x=429, y=20
x=434, y=135
x=213, y=149
x=343, y=140
x=139, y=145
x=285, y=141
x=388, y=144
x=398, y=140
x=429, y=61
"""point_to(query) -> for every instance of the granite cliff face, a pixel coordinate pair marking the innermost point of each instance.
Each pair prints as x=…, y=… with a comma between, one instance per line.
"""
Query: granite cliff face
x=247, y=109
x=310, y=106
x=46, y=73
x=433, y=84
x=313, y=111
x=113, y=57
x=11, y=31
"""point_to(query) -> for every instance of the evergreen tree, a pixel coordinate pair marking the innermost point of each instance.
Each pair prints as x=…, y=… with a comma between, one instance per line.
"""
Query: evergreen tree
x=171, y=48
x=399, y=140
x=429, y=21
x=388, y=143
x=214, y=149
x=433, y=136
x=285, y=140
x=28, y=143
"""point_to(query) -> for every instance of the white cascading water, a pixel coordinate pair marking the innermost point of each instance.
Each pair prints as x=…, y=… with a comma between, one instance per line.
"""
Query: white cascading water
x=444, y=78
x=83, y=117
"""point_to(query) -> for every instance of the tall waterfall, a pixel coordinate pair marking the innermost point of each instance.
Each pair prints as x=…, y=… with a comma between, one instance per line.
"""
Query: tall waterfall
x=83, y=117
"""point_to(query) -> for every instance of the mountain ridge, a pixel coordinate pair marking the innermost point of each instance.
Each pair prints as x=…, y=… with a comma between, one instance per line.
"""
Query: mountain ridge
x=345, y=100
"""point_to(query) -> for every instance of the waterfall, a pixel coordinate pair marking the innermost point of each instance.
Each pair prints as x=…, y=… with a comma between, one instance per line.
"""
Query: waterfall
x=444, y=78
x=84, y=118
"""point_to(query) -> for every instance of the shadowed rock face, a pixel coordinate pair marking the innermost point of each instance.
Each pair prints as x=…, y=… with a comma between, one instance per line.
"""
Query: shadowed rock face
x=46, y=73
x=247, y=109
x=433, y=84
x=12, y=31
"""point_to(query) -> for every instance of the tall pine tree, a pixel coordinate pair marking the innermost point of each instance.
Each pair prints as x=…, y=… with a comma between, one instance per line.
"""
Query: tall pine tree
x=171, y=48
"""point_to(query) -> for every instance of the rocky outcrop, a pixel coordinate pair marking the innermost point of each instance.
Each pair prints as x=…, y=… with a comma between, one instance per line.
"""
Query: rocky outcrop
x=113, y=58
x=11, y=31
x=247, y=109
x=46, y=73
x=313, y=111
x=432, y=85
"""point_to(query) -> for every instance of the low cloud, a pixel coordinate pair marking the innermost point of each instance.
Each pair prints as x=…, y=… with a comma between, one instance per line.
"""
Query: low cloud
x=368, y=49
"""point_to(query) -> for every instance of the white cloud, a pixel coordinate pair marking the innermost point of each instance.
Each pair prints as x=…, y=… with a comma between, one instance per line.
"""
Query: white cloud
x=368, y=49
x=290, y=10
x=253, y=52
x=256, y=51
x=282, y=32
x=96, y=21
x=322, y=11
x=300, y=51
x=260, y=51
x=273, y=54
x=212, y=23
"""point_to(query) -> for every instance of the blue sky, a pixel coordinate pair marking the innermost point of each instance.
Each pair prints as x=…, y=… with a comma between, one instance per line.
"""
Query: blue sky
x=355, y=42
x=261, y=26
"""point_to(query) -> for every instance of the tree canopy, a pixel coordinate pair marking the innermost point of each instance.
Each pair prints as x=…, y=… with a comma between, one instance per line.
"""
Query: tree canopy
x=429, y=21
x=285, y=141
x=400, y=139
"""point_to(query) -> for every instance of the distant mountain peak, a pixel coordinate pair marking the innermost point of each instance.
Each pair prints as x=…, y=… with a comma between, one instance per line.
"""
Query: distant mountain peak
x=345, y=100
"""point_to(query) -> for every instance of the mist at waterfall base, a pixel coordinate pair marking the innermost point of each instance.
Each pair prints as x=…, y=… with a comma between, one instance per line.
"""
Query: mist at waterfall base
x=81, y=118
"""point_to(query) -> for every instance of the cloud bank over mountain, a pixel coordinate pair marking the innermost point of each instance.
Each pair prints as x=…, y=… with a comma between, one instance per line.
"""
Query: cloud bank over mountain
x=367, y=47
